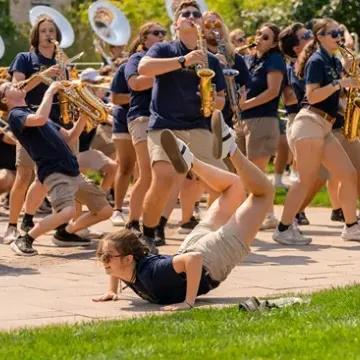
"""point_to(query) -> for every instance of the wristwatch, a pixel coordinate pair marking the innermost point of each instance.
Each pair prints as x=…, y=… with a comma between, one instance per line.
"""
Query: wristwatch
x=181, y=60
x=336, y=84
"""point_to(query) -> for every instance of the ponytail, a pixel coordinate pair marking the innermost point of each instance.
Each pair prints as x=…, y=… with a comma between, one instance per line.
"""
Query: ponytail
x=304, y=56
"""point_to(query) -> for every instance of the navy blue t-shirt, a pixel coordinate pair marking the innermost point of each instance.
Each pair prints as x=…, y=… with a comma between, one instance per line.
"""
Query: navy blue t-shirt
x=298, y=85
x=241, y=80
x=85, y=139
x=259, y=68
x=175, y=104
x=120, y=86
x=139, y=100
x=290, y=109
x=30, y=63
x=323, y=68
x=157, y=281
x=7, y=153
x=44, y=144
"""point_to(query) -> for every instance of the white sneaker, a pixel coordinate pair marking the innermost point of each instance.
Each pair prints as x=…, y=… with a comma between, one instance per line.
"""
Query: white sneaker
x=118, y=218
x=90, y=234
x=270, y=222
x=224, y=143
x=291, y=236
x=294, y=176
x=177, y=151
x=278, y=184
x=10, y=235
x=351, y=233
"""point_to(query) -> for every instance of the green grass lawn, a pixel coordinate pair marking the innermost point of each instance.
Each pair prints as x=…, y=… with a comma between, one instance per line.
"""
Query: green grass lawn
x=327, y=328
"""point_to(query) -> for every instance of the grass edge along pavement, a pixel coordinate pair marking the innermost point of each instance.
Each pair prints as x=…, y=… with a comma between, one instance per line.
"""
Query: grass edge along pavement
x=327, y=328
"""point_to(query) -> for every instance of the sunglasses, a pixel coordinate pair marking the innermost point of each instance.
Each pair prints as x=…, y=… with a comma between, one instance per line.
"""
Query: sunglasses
x=262, y=36
x=158, y=32
x=333, y=33
x=212, y=25
x=241, y=39
x=105, y=257
x=307, y=35
x=196, y=14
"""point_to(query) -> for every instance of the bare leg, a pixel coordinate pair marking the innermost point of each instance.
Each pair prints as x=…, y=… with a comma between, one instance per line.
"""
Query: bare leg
x=312, y=192
x=7, y=179
x=34, y=197
x=188, y=196
x=333, y=190
x=281, y=157
x=109, y=171
x=126, y=157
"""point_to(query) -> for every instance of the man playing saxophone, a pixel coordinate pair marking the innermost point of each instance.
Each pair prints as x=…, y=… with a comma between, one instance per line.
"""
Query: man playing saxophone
x=176, y=105
x=217, y=41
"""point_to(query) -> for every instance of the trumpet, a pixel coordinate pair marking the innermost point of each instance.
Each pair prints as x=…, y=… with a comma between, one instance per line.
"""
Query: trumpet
x=239, y=49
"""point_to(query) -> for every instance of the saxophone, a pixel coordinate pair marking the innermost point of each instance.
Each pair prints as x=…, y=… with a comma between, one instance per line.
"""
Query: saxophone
x=205, y=74
x=229, y=74
x=352, y=112
x=66, y=115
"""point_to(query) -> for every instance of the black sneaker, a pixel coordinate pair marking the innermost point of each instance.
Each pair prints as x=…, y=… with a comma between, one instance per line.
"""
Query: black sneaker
x=27, y=225
x=160, y=236
x=64, y=239
x=337, y=215
x=188, y=227
x=134, y=226
x=302, y=219
x=23, y=246
x=150, y=242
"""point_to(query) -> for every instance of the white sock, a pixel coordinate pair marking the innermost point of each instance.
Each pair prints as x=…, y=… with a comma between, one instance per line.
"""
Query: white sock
x=278, y=178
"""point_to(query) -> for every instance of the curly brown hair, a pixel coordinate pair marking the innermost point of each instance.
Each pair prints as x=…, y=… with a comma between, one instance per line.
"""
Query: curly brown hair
x=139, y=41
x=126, y=242
x=319, y=26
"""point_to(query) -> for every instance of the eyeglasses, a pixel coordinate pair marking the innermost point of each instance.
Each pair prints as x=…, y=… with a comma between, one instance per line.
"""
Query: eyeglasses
x=196, y=14
x=158, y=32
x=333, y=33
x=262, y=36
x=6, y=88
x=106, y=257
x=307, y=35
x=212, y=25
x=241, y=39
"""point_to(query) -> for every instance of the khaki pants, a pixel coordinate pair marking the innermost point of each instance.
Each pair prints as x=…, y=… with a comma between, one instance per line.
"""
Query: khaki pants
x=221, y=250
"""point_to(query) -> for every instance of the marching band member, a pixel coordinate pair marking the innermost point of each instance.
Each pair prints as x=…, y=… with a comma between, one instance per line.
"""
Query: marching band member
x=238, y=38
x=207, y=256
x=57, y=169
x=260, y=107
x=175, y=105
x=39, y=59
x=211, y=22
x=311, y=138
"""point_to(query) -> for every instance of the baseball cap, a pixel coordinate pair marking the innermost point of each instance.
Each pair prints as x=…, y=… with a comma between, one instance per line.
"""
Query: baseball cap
x=90, y=74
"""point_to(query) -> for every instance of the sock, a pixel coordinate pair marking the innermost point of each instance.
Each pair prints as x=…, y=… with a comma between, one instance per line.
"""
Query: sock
x=149, y=231
x=233, y=147
x=163, y=222
x=282, y=227
x=278, y=178
x=12, y=224
x=61, y=227
x=135, y=223
x=28, y=218
x=29, y=237
x=337, y=211
x=350, y=225
x=120, y=210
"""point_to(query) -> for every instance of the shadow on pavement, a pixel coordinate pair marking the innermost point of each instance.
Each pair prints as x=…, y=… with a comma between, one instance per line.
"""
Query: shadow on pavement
x=13, y=271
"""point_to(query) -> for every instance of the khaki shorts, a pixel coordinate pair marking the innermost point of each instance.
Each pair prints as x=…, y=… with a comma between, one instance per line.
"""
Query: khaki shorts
x=92, y=160
x=120, y=136
x=198, y=140
x=240, y=137
x=138, y=129
x=352, y=148
x=290, y=120
x=102, y=140
x=23, y=158
x=221, y=250
x=63, y=190
x=308, y=125
x=262, y=137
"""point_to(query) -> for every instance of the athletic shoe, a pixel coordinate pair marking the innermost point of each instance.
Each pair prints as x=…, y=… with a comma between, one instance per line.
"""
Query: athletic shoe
x=134, y=226
x=301, y=219
x=11, y=235
x=45, y=207
x=150, y=243
x=23, y=246
x=291, y=236
x=270, y=222
x=337, y=215
x=64, y=239
x=178, y=153
x=159, y=236
x=118, y=218
x=90, y=234
x=188, y=227
x=351, y=233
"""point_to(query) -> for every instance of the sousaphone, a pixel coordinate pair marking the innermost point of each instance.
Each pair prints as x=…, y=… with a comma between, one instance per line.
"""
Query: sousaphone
x=66, y=30
x=109, y=23
x=2, y=47
x=171, y=6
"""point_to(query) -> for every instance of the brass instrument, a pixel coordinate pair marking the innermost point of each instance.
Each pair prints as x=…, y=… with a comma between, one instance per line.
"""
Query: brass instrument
x=229, y=74
x=352, y=112
x=4, y=74
x=239, y=49
x=6, y=130
x=205, y=74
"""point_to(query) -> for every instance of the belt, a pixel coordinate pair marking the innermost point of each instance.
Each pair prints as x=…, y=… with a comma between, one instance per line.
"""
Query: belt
x=323, y=114
x=213, y=283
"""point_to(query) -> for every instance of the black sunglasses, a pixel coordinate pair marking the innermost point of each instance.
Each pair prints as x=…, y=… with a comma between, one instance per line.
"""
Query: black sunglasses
x=158, y=32
x=241, y=39
x=196, y=14
x=105, y=257
x=307, y=35
x=333, y=33
x=265, y=37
